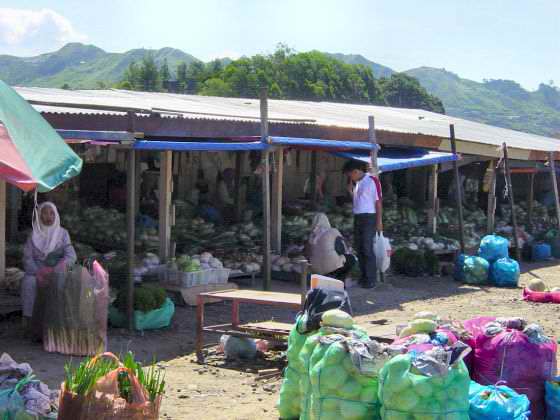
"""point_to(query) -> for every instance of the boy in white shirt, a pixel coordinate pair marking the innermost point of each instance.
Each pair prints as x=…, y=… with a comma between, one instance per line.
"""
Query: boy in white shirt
x=368, y=212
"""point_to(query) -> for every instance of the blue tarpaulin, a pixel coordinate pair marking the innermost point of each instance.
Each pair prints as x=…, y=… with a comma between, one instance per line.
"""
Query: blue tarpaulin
x=186, y=146
x=321, y=144
x=393, y=159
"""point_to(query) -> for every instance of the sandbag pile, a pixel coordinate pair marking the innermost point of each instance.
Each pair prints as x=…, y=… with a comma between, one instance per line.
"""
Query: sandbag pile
x=510, y=350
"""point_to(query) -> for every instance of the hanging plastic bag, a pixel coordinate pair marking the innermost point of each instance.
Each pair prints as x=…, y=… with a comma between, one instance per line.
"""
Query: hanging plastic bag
x=382, y=250
x=497, y=402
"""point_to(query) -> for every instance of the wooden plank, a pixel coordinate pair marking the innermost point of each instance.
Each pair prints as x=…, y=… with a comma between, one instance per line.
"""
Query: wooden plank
x=433, y=193
x=277, y=194
x=190, y=294
x=511, y=203
x=258, y=297
x=373, y=140
x=130, y=231
x=552, y=165
x=266, y=273
x=491, y=211
x=530, y=202
x=165, y=189
x=459, y=189
x=2, y=229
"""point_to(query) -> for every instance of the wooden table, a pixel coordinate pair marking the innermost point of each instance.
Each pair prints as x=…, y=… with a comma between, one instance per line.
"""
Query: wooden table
x=268, y=330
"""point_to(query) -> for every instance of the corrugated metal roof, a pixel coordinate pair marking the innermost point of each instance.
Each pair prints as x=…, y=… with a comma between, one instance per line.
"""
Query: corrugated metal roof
x=484, y=139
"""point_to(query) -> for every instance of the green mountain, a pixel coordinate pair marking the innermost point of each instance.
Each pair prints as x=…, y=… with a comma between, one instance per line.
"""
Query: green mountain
x=80, y=66
x=378, y=69
x=502, y=103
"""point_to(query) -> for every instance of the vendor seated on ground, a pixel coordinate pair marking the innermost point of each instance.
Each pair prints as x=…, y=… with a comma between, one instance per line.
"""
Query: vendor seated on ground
x=48, y=248
x=327, y=251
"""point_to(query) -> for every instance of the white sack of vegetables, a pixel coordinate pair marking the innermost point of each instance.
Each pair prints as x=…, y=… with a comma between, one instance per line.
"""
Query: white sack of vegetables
x=406, y=394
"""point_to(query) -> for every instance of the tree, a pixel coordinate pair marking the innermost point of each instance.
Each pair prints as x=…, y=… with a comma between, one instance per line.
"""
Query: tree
x=149, y=74
x=182, y=76
x=65, y=86
x=132, y=77
x=195, y=76
x=403, y=91
x=164, y=73
x=215, y=87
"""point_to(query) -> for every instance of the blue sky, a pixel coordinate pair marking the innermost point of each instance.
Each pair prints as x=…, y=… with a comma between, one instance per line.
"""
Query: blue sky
x=477, y=39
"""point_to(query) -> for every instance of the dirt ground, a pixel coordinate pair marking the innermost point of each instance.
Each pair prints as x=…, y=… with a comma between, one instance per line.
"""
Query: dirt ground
x=220, y=390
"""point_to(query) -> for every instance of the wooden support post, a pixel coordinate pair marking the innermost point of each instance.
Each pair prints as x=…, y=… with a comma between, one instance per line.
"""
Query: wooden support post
x=130, y=223
x=530, y=200
x=511, y=203
x=138, y=180
x=459, y=188
x=305, y=269
x=2, y=229
x=266, y=267
x=182, y=178
x=313, y=179
x=165, y=190
x=373, y=140
x=552, y=164
x=277, y=193
x=237, y=185
x=491, y=211
x=433, y=193
x=13, y=204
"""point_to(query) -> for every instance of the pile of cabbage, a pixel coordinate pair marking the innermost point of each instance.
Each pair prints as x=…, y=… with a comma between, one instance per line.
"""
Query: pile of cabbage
x=12, y=279
x=286, y=264
x=190, y=264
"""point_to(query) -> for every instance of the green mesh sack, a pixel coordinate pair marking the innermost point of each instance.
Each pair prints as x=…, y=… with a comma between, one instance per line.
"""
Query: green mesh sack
x=290, y=398
x=405, y=395
x=339, y=389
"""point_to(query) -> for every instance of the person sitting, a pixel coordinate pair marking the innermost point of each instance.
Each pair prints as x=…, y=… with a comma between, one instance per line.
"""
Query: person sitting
x=48, y=246
x=327, y=251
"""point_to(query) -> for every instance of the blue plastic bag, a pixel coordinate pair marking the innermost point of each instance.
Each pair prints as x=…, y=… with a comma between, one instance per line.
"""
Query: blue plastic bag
x=458, y=273
x=552, y=399
x=505, y=273
x=497, y=402
x=475, y=270
x=542, y=252
x=493, y=248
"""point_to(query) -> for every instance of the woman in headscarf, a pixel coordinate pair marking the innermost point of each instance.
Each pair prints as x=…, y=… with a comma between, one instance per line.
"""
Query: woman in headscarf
x=48, y=248
x=328, y=253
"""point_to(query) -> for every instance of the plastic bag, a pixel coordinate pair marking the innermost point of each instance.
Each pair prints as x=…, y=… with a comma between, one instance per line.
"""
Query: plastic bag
x=382, y=251
x=239, y=348
x=475, y=270
x=552, y=399
x=493, y=247
x=497, y=402
x=505, y=272
x=104, y=400
x=511, y=357
x=12, y=406
x=407, y=395
x=319, y=301
x=458, y=269
x=152, y=320
x=542, y=252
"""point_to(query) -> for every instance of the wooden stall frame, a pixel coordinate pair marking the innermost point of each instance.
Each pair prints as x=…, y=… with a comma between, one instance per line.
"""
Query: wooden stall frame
x=459, y=188
x=491, y=211
x=511, y=202
x=552, y=165
x=266, y=267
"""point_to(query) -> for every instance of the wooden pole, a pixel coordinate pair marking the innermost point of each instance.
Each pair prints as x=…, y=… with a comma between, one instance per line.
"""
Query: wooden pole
x=138, y=180
x=2, y=229
x=373, y=140
x=266, y=267
x=165, y=189
x=433, y=192
x=552, y=164
x=511, y=203
x=530, y=202
x=277, y=193
x=130, y=223
x=313, y=178
x=237, y=185
x=491, y=211
x=13, y=204
x=459, y=189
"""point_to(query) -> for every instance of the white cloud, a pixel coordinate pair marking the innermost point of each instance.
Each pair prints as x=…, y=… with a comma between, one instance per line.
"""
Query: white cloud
x=25, y=31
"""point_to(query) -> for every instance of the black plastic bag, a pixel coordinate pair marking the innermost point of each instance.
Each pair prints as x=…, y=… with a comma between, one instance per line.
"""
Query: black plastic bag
x=319, y=301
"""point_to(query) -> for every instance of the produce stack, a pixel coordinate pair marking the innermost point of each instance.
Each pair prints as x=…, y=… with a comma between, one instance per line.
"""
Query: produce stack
x=12, y=280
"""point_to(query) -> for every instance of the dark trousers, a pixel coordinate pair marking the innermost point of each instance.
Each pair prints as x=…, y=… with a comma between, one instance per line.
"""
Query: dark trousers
x=364, y=235
x=343, y=271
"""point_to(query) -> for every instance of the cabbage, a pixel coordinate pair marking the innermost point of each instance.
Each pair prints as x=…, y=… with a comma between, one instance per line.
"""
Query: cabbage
x=426, y=315
x=536, y=285
x=353, y=411
x=423, y=326
x=369, y=394
x=333, y=377
x=337, y=318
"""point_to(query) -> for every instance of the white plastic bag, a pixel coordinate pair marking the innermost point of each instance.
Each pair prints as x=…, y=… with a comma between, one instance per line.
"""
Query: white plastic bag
x=382, y=251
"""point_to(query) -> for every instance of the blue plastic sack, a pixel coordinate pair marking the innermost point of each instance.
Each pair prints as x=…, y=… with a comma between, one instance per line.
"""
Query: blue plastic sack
x=552, y=399
x=493, y=248
x=497, y=402
x=505, y=273
x=458, y=273
x=475, y=270
x=541, y=252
